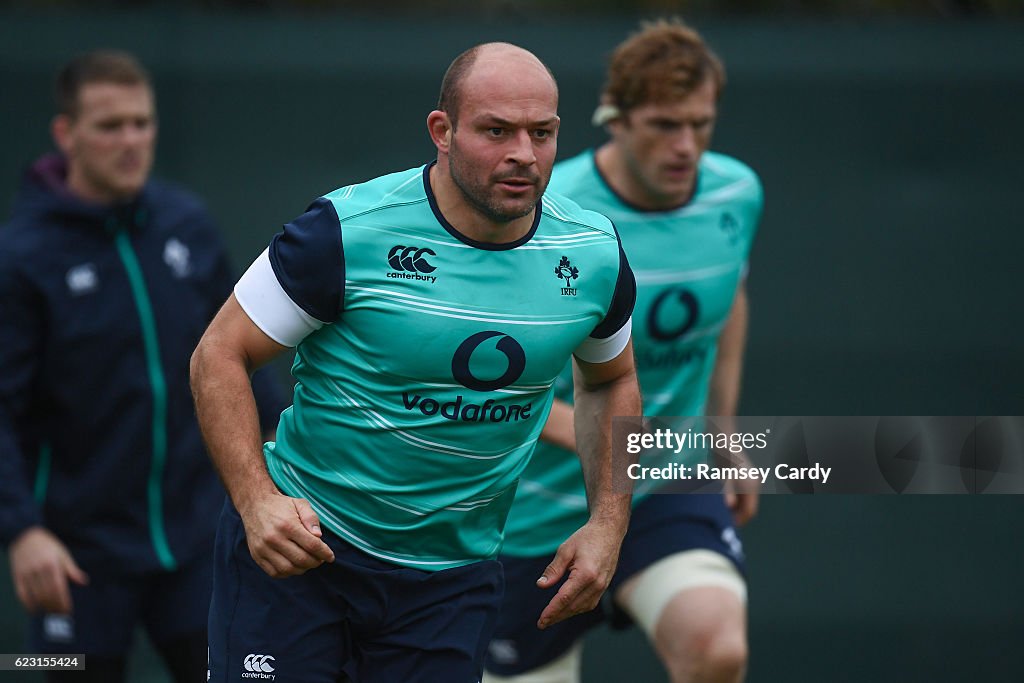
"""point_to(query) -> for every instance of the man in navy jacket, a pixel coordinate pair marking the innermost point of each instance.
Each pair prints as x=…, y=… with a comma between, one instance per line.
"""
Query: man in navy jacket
x=108, y=501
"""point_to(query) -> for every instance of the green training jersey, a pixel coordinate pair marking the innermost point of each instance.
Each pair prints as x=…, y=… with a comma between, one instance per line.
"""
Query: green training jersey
x=425, y=360
x=688, y=263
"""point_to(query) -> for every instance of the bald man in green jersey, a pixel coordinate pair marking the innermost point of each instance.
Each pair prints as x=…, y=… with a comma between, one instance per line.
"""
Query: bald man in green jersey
x=429, y=327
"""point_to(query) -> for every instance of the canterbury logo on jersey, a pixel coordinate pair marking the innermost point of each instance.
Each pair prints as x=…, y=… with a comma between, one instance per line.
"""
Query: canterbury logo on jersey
x=409, y=262
x=259, y=667
x=82, y=279
x=58, y=628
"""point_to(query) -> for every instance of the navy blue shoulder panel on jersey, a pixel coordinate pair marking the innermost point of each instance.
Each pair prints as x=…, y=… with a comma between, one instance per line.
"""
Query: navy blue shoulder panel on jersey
x=309, y=261
x=623, y=299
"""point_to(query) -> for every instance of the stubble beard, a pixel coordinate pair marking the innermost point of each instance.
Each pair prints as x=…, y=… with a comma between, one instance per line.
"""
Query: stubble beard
x=482, y=200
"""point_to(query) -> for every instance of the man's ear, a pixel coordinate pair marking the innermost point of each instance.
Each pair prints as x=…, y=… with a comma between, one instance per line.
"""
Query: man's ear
x=440, y=128
x=60, y=130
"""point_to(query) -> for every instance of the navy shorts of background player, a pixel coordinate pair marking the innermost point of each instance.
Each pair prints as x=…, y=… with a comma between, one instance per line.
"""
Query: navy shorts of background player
x=661, y=525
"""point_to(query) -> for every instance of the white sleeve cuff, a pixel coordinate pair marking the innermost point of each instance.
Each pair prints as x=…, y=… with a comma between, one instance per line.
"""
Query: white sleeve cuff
x=270, y=308
x=593, y=350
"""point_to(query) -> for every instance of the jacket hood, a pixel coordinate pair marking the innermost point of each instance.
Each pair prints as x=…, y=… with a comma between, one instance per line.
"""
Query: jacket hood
x=44, y=194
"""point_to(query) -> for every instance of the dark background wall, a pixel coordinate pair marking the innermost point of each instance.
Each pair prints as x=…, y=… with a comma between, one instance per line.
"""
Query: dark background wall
x=885, y=278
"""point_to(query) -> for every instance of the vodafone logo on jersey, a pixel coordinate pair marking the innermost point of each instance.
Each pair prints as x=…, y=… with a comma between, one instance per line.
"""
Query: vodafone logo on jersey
x=497, y=346
x=514, y=355
x=673, y=313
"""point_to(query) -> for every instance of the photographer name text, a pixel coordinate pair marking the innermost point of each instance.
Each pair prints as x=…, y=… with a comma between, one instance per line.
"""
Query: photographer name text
x=704, y=471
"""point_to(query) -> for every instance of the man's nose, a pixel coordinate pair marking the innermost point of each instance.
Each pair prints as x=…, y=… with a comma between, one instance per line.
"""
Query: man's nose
x=521, y=149
x=685, y=143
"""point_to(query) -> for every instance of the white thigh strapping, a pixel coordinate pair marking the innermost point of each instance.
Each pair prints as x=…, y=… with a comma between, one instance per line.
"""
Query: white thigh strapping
x=655, y=586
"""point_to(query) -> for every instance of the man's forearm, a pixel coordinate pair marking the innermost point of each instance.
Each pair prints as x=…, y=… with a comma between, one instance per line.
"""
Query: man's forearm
x=19, y=510
x=559, y=429
x=591, y=553
x=594, y=409
x=226, y=410
x=724, y=389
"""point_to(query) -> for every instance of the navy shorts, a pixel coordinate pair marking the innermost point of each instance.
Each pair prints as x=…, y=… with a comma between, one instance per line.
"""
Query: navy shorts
x=661, y=525
x=168, y=605
x=358, y=616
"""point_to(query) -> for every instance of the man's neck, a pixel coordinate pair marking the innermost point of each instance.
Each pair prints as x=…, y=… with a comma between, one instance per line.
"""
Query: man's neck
x=82, y=189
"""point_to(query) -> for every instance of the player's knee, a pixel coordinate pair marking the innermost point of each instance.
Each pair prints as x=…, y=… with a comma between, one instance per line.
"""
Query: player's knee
x=710, y=656
x=725, y=658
